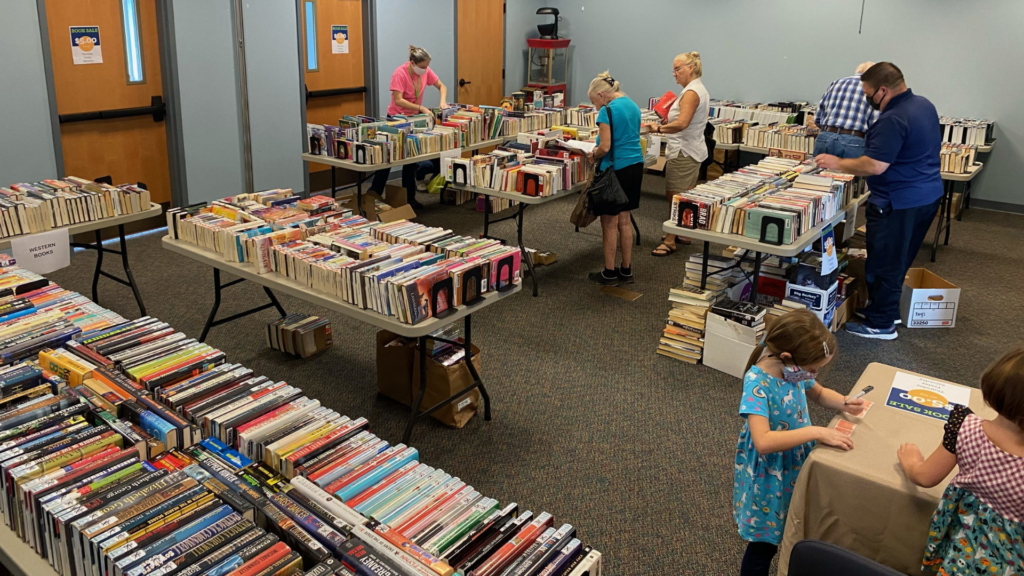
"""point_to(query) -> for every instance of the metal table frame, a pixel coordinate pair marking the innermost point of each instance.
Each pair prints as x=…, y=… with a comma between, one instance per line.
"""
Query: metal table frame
x=421, y=332
x=946, y=205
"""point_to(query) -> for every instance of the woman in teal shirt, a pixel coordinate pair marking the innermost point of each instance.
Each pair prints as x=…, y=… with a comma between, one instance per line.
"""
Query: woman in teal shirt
x=618, y=146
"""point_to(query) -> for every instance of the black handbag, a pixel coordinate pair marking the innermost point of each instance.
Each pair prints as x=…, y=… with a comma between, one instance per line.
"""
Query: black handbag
x=604, y=193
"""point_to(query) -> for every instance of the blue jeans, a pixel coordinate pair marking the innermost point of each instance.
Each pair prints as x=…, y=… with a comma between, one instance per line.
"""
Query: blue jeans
x=841, y=145
x=410, y=173
x=893, y=239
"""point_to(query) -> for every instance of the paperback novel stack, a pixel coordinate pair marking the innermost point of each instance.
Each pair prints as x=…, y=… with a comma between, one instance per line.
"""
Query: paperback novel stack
x=729, y=131
x=514, y=168
x=785, y=306
x=745, y=313
x=752, y=112
x=794, y=137
x=300, y=334
x=683, y=335
x=966, y=130
x=276, y=483
x=41, y=206
x=958, y=158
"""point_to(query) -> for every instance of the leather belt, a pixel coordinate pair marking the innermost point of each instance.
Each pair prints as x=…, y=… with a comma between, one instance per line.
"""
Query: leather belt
x=843, y=131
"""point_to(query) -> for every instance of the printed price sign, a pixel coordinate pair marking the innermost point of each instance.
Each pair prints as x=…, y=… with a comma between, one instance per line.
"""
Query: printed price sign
x=788, y=154
x=926, y=397
x=339, y=39
x=43, y=252
x=85, y=45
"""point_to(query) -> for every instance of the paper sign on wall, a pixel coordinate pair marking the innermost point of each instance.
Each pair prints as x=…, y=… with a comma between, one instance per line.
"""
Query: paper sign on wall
x=85, y=45
x=339, y=39
x=926, y=397
x=43, y=252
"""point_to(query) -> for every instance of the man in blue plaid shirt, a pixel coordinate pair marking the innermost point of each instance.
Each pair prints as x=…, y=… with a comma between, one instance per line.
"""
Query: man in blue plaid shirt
x=843, y=117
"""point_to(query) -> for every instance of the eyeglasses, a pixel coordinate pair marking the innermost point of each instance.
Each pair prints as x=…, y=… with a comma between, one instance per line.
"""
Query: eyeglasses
x=678, y=68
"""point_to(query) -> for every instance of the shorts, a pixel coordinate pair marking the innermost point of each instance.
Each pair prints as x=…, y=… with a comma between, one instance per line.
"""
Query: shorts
x=681, y=173
x=631, y=178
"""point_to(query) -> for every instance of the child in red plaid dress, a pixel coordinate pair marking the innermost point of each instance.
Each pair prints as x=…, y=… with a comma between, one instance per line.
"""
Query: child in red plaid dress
x=977, y=528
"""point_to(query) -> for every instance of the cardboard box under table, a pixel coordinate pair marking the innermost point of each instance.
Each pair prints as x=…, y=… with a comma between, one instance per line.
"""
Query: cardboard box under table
x=727, y=345
x=928, y=300
x=861, y=500
x=398, y=378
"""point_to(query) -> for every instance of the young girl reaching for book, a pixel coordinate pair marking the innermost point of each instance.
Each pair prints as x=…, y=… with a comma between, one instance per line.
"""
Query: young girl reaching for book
x=778, y=436
x=978, y=527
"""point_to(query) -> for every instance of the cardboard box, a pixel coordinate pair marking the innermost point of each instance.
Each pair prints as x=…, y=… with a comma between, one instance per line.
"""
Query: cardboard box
x=728, y=345
x=395, y=196
x=404, y=212
x=401, y=212
x=398, y=378
x=821, y=302
x=855, y=268
x=928, y=300
x=844, y=311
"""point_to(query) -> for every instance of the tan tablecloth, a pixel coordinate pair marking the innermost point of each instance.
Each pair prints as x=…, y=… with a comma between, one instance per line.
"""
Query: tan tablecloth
x=860, y=499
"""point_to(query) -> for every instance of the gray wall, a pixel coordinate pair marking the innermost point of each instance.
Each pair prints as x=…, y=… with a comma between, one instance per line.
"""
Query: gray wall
x=26, y=145
x=521, y=21
x=964, y=57
x=209, y=99
x=429, y=24
x=274, y=89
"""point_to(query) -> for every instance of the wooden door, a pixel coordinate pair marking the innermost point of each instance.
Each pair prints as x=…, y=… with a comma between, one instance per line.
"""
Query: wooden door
x=132, y=149
x=333, y=70
x=481, y=48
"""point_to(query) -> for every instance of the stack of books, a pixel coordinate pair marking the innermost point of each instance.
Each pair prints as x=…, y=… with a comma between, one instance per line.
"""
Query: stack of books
x=729, y=131
x=582, y=115
x=975, y=131
x=752, y=112
x=958, y=158
x=37, y=207
x=683, y=335
x=745, y=313
x=299, y=334
x=156, y=456
x=521, y=168
x=530, y=121
x=794, y=137
x=784, y=306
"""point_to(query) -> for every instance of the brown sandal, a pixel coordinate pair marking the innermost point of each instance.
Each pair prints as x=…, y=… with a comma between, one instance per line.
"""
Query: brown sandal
x=663, y=250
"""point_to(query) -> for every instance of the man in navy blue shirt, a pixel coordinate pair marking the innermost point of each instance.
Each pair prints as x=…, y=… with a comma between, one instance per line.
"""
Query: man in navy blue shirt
x=901, y=163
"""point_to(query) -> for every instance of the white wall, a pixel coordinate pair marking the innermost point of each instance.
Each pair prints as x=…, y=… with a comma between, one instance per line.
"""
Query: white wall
x=26, y=134
x=964, y=57
x=429, y=24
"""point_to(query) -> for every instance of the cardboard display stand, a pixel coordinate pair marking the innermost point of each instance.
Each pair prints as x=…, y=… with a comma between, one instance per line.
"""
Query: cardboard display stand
x=398, y=378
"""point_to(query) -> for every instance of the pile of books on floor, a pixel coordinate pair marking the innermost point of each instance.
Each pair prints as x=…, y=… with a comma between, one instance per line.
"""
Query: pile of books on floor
x=785, y=306
x=743, y=313
x=788, y=196
x=37, y=207
x=256, y=478
x=958, y=158
x=300, y=334
x=521, y=168
x=794, y=137
x=966, y=130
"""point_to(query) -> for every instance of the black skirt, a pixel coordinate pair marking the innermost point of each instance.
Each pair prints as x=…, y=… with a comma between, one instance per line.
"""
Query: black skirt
x=631, y=178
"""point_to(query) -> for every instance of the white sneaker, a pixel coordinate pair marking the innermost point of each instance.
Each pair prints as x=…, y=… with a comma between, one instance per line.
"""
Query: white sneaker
x=421, y=184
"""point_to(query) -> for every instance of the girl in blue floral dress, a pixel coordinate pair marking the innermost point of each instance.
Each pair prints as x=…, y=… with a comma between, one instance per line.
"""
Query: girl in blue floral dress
x=778, y=435
x=977, y=528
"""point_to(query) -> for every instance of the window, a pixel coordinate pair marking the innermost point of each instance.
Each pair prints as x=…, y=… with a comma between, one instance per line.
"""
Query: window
x=311, y=65
x=132, y=45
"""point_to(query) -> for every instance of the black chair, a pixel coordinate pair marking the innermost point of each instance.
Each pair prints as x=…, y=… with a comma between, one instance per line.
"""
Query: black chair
x=816, y=558
x=709, y=140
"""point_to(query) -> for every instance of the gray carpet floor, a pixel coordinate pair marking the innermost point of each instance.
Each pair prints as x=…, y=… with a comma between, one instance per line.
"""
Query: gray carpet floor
x=590, y=424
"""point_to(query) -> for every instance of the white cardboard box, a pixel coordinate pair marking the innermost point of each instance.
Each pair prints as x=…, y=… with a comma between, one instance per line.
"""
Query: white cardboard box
x=928, y=300
x=728, y=345
x=821, y=302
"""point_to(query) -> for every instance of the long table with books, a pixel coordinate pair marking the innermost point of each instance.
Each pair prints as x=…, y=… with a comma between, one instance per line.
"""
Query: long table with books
x=129, y=449
x=419, y=331
x=756, y=184
x=131, y=204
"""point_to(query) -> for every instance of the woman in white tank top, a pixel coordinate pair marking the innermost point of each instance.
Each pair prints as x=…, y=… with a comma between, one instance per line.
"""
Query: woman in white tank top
x=685, y=148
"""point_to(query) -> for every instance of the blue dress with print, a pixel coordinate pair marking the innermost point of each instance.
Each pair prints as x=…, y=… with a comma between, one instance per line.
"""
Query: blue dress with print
x=764, y=484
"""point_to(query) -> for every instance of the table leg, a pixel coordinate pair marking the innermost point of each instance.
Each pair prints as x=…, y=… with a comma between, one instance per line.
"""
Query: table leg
x=949, y=213
x=522, y=249
x=216, y=305
x=99, y=268
x=414, y=415
x=128, y=270
x=757, y=276
x=946, y=188
x=472, y=369
x=333, y=184
x=212, y=320
x=704, y=267
x=487, y=216
x=636, y=228
x=359, y=194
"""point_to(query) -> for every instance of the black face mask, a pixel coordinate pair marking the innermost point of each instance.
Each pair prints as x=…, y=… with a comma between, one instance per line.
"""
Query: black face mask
x=871, y=101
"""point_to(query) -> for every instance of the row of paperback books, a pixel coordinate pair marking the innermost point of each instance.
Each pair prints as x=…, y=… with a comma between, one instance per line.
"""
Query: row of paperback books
x=794, y=137
x=774, y=201
x=757, y=113
x=277, y=484
x=41, y=206
x=522, y=167
x=966, y=130
x=729, y=131
x=401, y=269
x=957, y=158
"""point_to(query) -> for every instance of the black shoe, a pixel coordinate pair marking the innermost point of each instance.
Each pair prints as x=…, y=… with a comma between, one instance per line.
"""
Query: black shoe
x=600, y=278
x=625, y=278
x=415, y=205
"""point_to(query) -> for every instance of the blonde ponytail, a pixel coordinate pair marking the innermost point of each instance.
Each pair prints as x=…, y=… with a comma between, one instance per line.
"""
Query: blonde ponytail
x=691, y=59
x=603, y=83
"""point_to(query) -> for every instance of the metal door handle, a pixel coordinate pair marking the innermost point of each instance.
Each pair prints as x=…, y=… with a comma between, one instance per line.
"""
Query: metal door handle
x=462, y=82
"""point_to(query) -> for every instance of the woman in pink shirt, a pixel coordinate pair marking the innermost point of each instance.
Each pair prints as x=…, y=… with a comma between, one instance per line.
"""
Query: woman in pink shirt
x=408, y=83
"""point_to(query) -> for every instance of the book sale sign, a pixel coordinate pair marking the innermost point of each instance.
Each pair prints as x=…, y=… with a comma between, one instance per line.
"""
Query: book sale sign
x=339, y=39
x=85, y=45
x=926, y=397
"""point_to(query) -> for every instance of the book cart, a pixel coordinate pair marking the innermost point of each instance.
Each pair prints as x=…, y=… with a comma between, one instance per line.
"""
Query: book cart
x=272, y=282
x=98, y=226
x=362, y=169
x=523, y=201
x=758, y=247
